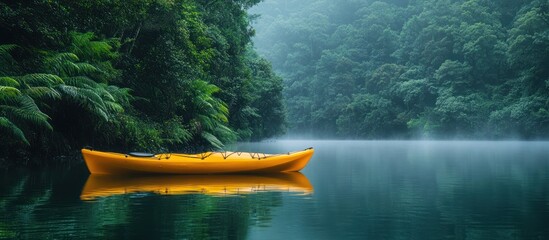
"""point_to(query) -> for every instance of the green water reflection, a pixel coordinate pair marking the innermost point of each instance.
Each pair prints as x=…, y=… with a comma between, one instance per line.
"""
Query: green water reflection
x=362, y=190
x=63, y=204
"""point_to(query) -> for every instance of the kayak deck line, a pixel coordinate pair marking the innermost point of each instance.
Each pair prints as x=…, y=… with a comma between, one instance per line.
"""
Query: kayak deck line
x=225, y=154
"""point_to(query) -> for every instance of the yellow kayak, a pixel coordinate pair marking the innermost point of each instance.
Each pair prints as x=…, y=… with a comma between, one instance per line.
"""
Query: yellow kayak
x=218, y=185
x=204, y=163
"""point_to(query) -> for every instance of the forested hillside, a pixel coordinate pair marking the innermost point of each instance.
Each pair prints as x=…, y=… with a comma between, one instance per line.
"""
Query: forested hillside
x=411, y=68
x=131, y=75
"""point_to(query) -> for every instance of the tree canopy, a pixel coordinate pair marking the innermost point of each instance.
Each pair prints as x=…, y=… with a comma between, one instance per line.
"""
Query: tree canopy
x=147, y=75
x=408, y=69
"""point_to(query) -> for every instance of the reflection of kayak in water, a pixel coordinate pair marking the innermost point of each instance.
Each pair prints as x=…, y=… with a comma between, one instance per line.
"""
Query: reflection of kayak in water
x=108, y=185
x=203, y=163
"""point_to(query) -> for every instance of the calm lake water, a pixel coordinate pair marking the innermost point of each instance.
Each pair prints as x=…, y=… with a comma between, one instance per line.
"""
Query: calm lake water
x=349, y=190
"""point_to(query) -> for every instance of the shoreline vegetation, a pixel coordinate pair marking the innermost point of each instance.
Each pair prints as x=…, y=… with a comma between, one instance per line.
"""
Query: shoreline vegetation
x=184, y=75
x=131, y=75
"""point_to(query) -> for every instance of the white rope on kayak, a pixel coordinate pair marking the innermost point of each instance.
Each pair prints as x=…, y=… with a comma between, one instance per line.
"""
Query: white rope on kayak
x=226, y=154
x=165, y=155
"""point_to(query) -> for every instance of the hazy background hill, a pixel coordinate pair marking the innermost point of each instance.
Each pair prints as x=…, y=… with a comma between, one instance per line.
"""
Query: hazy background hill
x=417, y=68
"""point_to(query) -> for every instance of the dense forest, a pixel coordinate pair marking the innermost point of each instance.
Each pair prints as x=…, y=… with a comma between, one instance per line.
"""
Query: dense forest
x=141, y=75
x=410, y=68
x=158, y=75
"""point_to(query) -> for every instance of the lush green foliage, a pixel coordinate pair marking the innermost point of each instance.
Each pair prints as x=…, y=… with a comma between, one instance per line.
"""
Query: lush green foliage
x=400, y=68
x=132, y=75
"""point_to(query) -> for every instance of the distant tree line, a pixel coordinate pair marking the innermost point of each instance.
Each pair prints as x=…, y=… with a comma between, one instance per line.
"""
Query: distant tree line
x=411, y=68
x=144, y=74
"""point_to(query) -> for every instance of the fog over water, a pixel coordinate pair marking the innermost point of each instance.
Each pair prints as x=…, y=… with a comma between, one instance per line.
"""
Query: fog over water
x=429, y=119
x=349, y=190
x=418, y=190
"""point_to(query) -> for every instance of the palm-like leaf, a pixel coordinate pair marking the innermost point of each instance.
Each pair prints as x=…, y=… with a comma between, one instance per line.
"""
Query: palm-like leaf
x=41, y=80
x=8, y=92
x=206, y=122
x=69, y=76
x=205, y=87
x=83, y=95
x=83, y=45
x=7, y=63
x=225, y=133
x=68, y=65
x=87, y=98
x=5, y=49
x=104, y=93
x=114, y=107
x=7, y=126
x=81, y=82
x=9, y=81
x=5, y=52
x=24, y=109
x=175, y=133
x=42, y=93
x=211, y=115
x=84, y=68
x=62, y=64
x=213, y=140
x=121, y=95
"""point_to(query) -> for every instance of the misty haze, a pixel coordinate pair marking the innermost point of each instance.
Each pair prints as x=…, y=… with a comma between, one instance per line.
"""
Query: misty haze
x=410, y=69
x=274, y=119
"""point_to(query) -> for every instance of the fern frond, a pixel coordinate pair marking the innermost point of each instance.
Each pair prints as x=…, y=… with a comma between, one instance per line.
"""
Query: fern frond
x=8, y=92
x=101, y=112
x=221, y=117
x=176, y=133
x=104, y=93
x=68, y=90
x=41, y=80
x=7, y=61
x=9, y=81
x=211, y=139
x=227, y=133
x=114, y=107
x=80, y=39
x=224, y=129
x=64, y=57
x=206, y=122
x=202, y=103
x=66, y=69
x=62, y=63
x=42, y=93
x=121, y=95
x=30, y=111
x=205, y=87
x=100, y=48
x=93, y=97
x=222, y=108
x=67, y=64
x=84, y=68
x=82, y=96
x=6, y=48
x=81, y=82
x=83, y=45
x=182, y=135
x=86, y=98
x=7, y=126
x=24, y=109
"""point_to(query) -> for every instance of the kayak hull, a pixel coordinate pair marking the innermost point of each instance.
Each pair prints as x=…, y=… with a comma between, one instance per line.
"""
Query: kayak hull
x=99, y=162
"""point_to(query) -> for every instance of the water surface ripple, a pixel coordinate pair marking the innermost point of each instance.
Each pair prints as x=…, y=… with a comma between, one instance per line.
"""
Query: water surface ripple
x=349, y=190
